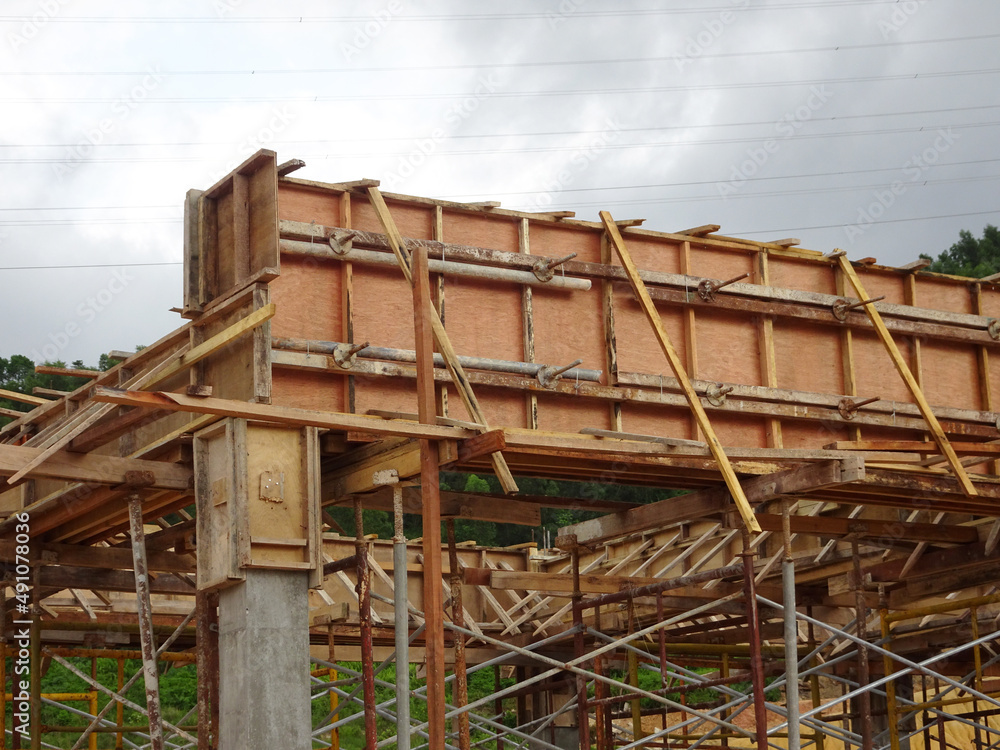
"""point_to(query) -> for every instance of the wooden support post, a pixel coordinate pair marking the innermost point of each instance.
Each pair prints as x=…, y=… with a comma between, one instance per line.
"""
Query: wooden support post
x=150, y=674
x=347, y=300
x=582, y=713
x=35, y=648
x=847, y=355
x=461, y=690
x=610, y=339
x=904, y=372
x=910, y=298
x=431, y=494
x=437, y=294
x=690, y=334
x=365, y=627
x=864, y=701
x=527, y=327
x=206, y=603
x=765, y=343
x=718, y=452
x=983, y=364
x=458, y=375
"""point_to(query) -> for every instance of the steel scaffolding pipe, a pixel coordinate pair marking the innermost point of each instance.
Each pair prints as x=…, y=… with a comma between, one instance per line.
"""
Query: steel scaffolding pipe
x=409, y=356
x=446, y=267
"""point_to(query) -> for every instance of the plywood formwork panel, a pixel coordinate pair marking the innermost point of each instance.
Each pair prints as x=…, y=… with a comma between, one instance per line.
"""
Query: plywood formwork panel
x=949, y=375
x=656, y=420
x=941, y=295
x=808, y=357
x=316, y=315
x=791, y=273
x=495, y=333
x=717, y=342
x=638, y=349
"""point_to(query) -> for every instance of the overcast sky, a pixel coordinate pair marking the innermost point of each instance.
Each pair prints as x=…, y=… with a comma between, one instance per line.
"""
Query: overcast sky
x=865, y=125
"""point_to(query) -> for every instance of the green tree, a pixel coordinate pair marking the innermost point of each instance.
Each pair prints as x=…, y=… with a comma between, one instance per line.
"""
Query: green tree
x=969, y=256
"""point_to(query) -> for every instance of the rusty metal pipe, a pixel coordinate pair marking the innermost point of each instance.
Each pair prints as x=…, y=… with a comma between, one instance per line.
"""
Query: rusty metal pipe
x=461, y=691
x=151, y=675
x=363, y=590
x=756, y=659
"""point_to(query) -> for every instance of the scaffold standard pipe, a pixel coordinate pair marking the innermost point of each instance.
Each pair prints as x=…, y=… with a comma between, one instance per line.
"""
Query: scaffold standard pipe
x=389, y=354
x=791, y=652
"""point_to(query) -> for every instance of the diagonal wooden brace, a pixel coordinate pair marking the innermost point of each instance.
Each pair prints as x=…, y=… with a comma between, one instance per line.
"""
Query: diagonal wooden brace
x=718, y=452
x=911, y=382
x=459, y=377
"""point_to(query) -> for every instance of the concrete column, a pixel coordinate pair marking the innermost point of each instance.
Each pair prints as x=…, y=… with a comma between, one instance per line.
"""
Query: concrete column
x=264, y=662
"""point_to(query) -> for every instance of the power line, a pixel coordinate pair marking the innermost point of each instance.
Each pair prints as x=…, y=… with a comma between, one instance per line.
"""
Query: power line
x=506, y=94
x=528, y=64
x=527, y=150
x=90, y=265
x=882, y=221
x=237, y=19
x=479, y=196
x=468, y=136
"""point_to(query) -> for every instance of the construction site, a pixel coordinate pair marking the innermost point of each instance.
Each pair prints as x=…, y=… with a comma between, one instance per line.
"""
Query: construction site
x=821, y=571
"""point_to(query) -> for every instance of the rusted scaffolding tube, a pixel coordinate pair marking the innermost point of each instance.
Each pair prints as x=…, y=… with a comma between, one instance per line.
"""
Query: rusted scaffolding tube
x=653, y=589
x=402, y=622
x=363, y=590
x=161, y=653
x=151, y=675
x=582, y=715
x=461, y=691
x=388, y=354
x=446, y=267
x=753, y=635
x=791, y=629
x=864, y=699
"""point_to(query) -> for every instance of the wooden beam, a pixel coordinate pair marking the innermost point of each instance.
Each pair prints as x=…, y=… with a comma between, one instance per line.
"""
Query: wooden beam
x=890, y=531
x=106, y=558
x=65, y=577
x=442, y=340
x=212, y=345
x=678, y=369
x=23, y=398
x=70, y=371
x=915, y=446
x=93, y=468
x=714, y=501
x=498, y=509
x=277, y=414
x=700, y=231
x=904, y=372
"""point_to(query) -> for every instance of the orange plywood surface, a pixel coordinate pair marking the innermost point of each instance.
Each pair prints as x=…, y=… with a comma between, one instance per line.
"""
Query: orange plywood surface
x=316, y=315
x=643, y=419
x=569, y=325
x=941, y=295
x=299, y=203
x=638, y=348
x=484, y=319
x=788, y=273
x=495, y=332
x=727, y=347
x=307, y=390
x=559, y=240
x=950, y=376
x=808, y=357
